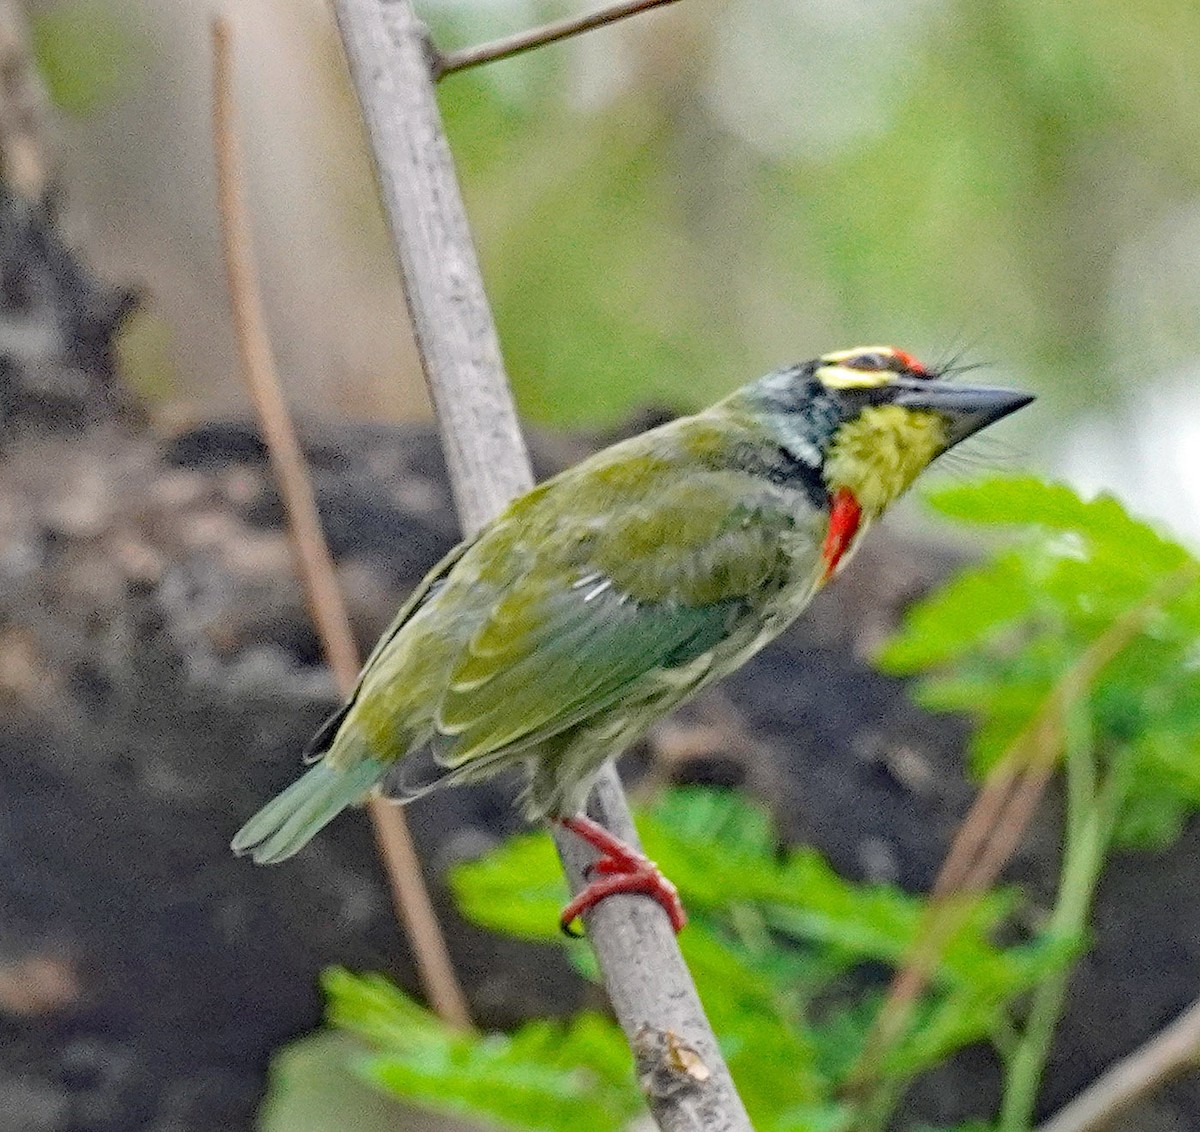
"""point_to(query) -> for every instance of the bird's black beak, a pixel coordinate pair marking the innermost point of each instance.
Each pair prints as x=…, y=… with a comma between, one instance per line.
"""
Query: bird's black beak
x=966, y=408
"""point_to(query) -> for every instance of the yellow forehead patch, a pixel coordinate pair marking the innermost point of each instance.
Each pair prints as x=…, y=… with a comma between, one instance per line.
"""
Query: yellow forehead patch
x=836, y=370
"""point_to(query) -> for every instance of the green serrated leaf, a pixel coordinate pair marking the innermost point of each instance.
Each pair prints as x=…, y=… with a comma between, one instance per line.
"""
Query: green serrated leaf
x=539, y=1079
x=960, y=616
x=769, y=936
x=374, y=1008
x=1026, y=500
x=722, y=816
x=519, y=889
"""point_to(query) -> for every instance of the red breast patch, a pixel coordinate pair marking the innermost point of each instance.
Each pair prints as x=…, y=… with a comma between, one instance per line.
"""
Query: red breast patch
x=844, y=517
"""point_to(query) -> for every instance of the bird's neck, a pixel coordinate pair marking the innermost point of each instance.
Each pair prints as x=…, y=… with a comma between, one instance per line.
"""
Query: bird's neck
x=846, y=524
x=796, y=426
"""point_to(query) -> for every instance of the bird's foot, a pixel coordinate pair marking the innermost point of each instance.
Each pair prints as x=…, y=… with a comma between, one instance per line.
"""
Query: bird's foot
x=623, y=870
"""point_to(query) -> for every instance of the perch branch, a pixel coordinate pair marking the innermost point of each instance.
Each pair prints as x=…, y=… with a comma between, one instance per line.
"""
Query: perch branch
x=391, y=65
x=313, y=561
x=1173, y=1050
x=449, y=62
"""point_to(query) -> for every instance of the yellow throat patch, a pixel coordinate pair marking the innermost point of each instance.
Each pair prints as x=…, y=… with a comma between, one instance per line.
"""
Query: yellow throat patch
x=879, y=453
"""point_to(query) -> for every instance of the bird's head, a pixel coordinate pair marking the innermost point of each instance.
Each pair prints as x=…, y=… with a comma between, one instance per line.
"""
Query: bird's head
x=871, y=419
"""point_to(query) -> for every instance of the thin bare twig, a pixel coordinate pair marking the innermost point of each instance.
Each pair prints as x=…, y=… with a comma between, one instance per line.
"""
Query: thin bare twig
x=25, y=161
x=1173, y=1050
x=451, y=61
x=313, y=560
x=390, y=63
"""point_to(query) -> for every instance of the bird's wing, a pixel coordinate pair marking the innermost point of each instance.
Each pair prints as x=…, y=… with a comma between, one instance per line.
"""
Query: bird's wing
x=540, y=667
x=568, y=640
x=321, y=741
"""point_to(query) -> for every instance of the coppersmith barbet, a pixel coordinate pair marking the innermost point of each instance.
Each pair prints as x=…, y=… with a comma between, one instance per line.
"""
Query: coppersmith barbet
x=608, y=595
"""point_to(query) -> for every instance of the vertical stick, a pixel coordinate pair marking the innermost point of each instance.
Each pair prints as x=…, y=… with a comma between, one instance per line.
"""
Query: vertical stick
x=391, y=64
x=314, y=562
x=25, y=161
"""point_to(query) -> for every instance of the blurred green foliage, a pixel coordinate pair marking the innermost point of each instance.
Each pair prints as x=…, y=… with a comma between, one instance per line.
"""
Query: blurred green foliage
x=788, y=956
x=86, y=52
x=742, y=182
x=1084, y=628
x=540, y=1078
x=997, y=640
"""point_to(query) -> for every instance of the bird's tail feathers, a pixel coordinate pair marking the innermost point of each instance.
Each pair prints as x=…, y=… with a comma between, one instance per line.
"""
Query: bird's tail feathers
x=290, y=820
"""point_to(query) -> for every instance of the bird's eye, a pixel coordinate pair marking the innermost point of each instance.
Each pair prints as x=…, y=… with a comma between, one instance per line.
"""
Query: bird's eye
x=868, y=367
x=870, y=363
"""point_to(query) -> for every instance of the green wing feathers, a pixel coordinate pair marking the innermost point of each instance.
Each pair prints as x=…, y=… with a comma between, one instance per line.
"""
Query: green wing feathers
x=545, y=662
x=632, y=578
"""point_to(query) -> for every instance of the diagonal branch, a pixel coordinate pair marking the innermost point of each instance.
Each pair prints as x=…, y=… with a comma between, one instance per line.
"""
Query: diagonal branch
x=390, y=62
x=451, y=61
x=1173, y=1050
x=313, y=560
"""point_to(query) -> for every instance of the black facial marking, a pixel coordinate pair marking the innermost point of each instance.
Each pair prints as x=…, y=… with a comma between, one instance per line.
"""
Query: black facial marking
x=782, y=468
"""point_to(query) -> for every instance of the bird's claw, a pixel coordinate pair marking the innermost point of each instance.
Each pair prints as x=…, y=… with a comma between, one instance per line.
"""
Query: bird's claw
x=619, y=870
x=643, y=880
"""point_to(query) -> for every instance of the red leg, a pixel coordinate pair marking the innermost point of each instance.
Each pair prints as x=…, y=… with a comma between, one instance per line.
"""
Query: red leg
x=625, y=871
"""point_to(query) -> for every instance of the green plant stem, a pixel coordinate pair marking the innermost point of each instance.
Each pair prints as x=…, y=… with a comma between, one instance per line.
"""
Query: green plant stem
x=1081, y=869
x=1091, y=815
